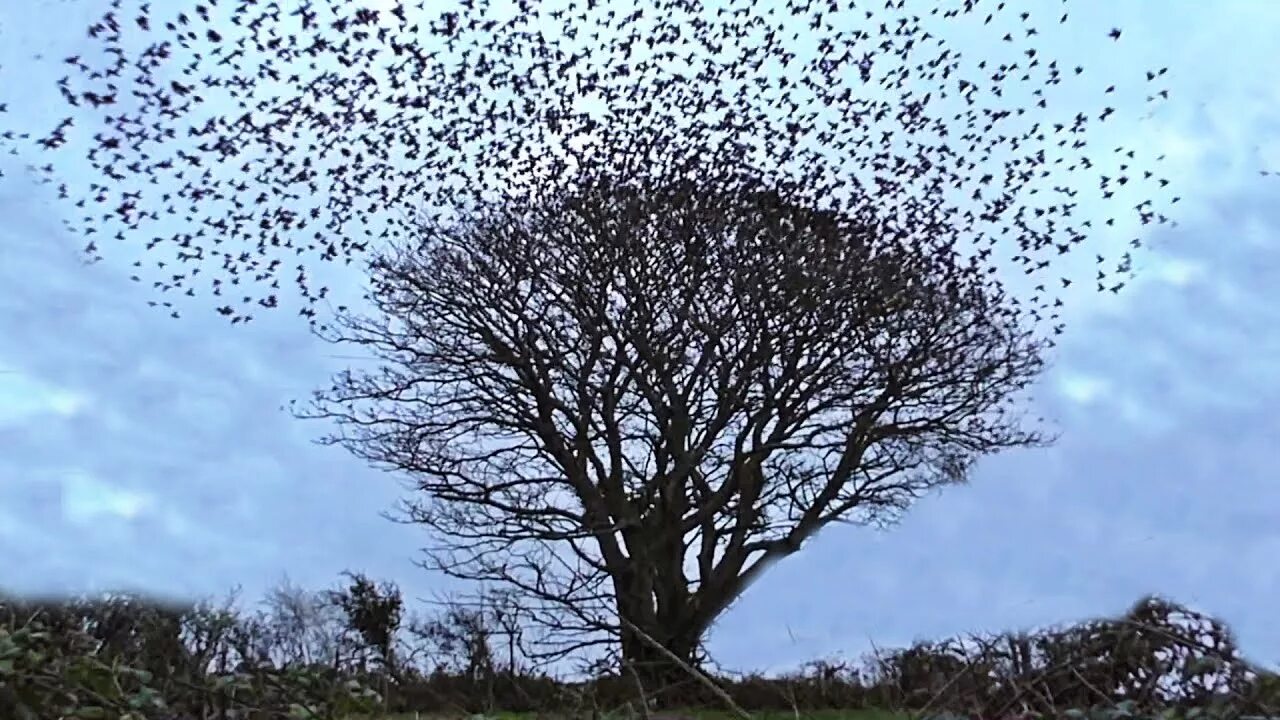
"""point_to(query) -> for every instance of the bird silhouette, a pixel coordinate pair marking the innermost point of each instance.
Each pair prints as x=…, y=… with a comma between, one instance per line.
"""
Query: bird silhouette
x=349, y=126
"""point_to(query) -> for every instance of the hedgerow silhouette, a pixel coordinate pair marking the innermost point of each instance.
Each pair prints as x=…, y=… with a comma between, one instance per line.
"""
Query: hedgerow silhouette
x=324, y=655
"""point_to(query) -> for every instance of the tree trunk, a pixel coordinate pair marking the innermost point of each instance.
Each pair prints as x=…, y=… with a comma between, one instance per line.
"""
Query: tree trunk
x=666, y=681
x=652, y=595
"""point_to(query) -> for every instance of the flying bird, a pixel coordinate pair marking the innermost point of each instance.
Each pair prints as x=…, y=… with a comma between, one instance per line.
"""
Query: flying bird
x=257, y=143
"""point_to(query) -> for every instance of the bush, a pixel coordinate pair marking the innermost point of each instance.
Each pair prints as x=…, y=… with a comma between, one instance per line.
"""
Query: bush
x=64, y=661
x=121, y=658
x=63, y=675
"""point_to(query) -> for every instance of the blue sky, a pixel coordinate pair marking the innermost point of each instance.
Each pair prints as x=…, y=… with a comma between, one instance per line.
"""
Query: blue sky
x=144, y=452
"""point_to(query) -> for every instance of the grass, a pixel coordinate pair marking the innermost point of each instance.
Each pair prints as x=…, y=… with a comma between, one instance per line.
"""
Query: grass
x=685, y=715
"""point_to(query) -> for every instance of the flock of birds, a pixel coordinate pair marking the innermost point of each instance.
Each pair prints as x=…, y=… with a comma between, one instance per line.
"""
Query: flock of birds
x=246, y=136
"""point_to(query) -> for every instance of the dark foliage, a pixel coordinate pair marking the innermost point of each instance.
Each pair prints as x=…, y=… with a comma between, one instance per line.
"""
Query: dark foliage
x=108, y=657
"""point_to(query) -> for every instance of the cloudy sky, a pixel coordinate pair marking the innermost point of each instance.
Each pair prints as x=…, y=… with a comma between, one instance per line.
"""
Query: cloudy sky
x=137, y=451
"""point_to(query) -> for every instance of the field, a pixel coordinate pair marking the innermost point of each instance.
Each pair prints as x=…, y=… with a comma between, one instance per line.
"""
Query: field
x=680, y=715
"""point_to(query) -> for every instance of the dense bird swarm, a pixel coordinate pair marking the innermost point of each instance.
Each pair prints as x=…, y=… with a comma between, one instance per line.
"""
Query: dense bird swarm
x=244, y=136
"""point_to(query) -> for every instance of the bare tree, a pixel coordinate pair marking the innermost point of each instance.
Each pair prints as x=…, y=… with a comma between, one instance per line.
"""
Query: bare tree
x=634, y=396
x=304, y=626
x=472, y=631
x=461, y=636
x=507, y=618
